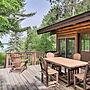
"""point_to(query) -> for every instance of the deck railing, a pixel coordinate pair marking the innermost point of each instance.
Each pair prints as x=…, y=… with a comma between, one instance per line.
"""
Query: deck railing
x=32, y=57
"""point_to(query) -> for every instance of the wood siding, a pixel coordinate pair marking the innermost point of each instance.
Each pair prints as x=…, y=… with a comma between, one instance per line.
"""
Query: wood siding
x=75, y=31
x=77, y=28
x=85, y=56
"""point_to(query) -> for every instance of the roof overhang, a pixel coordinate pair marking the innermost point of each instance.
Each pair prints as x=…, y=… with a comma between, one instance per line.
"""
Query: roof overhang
x=66, y=23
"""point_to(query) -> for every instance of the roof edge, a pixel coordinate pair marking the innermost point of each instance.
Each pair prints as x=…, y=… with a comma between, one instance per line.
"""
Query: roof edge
x=67, y=22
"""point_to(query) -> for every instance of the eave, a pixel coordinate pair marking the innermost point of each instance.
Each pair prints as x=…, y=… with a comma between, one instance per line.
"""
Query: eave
x=66, y=23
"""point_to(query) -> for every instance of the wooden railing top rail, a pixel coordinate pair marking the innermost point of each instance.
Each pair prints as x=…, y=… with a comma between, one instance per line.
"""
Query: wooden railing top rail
x=31, y=56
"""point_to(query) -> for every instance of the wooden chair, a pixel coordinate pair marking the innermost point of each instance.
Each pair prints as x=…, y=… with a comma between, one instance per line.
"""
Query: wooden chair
x=49, y=55
x=50, y=74
x=17, y=64
x=73, y=71
x=77, y=56
x=82, y=80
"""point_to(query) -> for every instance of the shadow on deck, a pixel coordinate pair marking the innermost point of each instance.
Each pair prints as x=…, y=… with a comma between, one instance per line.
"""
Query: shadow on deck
x=27, y=80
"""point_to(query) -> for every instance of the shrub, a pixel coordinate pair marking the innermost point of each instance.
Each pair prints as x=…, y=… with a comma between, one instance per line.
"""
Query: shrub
x=2, y=57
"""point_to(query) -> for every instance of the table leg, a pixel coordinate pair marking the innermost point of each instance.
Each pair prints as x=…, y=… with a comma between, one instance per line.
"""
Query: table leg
x=59, y=70
x=47, y=74
x=68, y=77
x=42, y=77
x=47, y=80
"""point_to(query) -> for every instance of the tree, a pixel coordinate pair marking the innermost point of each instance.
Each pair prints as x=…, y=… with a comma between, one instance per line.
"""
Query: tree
x=70, y=8
x=15, y=28
x=7, y=8
x=61, y=9
x=15, y=42
x=46, y=43
x=32, y=39
x=51, y=17
x=35, y=42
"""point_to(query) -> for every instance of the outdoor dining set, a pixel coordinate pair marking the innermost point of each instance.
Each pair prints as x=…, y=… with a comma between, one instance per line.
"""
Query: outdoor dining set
x=72, y=71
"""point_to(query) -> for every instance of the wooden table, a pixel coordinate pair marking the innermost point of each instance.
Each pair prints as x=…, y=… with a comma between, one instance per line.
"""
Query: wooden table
x=67, y=63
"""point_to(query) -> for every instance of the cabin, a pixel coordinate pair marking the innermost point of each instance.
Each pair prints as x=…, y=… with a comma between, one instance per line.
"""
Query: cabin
x=72, y=35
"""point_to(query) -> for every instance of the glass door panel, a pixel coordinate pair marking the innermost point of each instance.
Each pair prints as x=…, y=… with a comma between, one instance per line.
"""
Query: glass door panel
x=63, y=47
x=70, y=47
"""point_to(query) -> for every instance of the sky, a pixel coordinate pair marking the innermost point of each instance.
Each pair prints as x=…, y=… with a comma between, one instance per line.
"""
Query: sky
x=41, y=7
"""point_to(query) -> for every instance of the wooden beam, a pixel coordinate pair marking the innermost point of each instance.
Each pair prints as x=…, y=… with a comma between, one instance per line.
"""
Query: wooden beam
x=67, y=34
x=75, y=30
x=75, y=26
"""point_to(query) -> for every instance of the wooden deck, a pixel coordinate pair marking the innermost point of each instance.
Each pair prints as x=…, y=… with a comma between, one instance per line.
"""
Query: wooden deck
x=27, y=80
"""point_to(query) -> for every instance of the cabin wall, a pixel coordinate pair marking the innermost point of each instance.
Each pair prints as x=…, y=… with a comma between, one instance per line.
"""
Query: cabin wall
x=66, y=37
x=85, y=56
x=85, y=53
x=75, y=31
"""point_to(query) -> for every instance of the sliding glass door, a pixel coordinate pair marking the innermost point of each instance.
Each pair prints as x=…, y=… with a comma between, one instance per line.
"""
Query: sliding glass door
x=67, y=47
x=63, y=47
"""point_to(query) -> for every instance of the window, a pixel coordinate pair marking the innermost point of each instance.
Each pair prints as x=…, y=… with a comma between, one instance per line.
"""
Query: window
x=85, y=42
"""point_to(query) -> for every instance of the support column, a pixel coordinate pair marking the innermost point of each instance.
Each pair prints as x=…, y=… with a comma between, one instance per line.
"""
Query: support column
x=77, y=43
x=57, y=44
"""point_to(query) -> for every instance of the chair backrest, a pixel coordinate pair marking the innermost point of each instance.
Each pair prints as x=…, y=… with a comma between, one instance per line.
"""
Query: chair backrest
x=43, y=65
x=77, y=56
x=15, y=57
x=49, y=55
x=87, y=71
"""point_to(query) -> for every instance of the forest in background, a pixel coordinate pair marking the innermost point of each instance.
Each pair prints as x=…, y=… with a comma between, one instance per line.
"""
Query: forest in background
x=12, y=13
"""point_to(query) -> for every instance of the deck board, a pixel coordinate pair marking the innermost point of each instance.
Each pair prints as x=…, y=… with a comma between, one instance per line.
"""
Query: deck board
x=27, y=80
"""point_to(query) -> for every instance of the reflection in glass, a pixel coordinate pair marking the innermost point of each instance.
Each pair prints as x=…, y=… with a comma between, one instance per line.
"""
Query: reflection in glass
x=85, y=42
x=70, y=47
x=62, y=47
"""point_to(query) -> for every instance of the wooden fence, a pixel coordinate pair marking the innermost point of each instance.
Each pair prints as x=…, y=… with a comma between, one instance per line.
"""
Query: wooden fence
x=32, y=57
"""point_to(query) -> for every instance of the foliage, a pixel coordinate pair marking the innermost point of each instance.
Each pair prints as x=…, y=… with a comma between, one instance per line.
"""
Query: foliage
x=70, y=8
x=61, y=9
x=7, y=8
x=2, y=57
x=35, y=42
x=32, y=39
x=11, y=16
x=46, y=43
x=15, y=30
x=51, y=17
x=15, y=41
